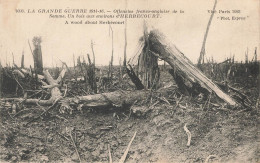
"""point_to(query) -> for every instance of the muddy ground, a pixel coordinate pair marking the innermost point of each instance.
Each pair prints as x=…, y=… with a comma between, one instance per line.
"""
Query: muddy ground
x=230, y=134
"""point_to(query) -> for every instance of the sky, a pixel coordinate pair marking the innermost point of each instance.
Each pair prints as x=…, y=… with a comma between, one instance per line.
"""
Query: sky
x=61, y=41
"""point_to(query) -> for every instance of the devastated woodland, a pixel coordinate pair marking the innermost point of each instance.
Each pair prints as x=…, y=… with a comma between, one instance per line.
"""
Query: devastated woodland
x=135, y=112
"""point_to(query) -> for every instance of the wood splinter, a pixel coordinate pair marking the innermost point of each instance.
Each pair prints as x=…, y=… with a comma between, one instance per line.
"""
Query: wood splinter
x=209, y=157
x=74, y=144
x=109, y=154
x=122, y=160
x=188, y=133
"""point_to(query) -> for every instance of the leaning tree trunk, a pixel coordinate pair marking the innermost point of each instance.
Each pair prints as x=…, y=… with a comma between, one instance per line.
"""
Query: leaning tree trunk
x=167, y=51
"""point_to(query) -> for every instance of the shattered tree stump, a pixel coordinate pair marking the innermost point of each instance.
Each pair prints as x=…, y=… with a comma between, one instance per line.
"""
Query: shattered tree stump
x=37, y=55
x=148, y=70
x=118, y=98
x=168, y=52
x=53, y=85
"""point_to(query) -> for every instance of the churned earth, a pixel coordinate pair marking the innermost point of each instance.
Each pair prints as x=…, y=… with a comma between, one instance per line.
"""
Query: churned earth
x=228, y=134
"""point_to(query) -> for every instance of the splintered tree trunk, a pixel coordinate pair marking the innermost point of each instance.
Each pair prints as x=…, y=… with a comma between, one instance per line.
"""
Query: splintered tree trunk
x=22, y=61
x=139, y=85
x=37, y=54
x=148, y=70
x=37, y=57
x=167, y=51
x=125, y=30
x=94, y=83
x=55, y=92
x=89, y=71
x=110, y=69
x=202, y=52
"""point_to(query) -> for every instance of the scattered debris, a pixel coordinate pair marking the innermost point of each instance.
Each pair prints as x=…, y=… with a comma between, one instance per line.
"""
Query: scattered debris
x=108, y=109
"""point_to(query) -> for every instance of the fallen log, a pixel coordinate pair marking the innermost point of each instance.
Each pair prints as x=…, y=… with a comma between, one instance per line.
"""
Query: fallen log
x=117, y=98
x=167, y=51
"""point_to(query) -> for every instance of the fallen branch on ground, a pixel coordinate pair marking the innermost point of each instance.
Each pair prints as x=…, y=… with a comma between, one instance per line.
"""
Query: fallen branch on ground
x=55, y=102
x=188, y=133
x=117, y=98
x=122, y=160
x=109, y=154
x=74, y=144
x=210, y=156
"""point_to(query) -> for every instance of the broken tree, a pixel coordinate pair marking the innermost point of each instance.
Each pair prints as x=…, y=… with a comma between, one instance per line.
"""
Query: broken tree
x=53, y=86
x=117, y=98
x=164, y=49
x=158, y=46
x=148, y=70
x=22, y=61
x=37, y=55
x=202, y=52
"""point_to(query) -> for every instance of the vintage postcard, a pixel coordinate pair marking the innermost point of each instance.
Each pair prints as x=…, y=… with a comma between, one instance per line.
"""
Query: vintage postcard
x=129, y=81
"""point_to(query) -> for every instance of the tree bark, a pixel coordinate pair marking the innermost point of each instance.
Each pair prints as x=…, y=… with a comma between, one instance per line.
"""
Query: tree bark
x=22, y=61
x=167, y=51
x=55, y=92
x=134, y=78
x=37, y=55
x=117, y=98
x=38, y=65
x=148, y=70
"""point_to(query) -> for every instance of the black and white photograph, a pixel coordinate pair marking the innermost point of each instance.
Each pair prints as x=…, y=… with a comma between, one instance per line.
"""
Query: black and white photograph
x=118, y=81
